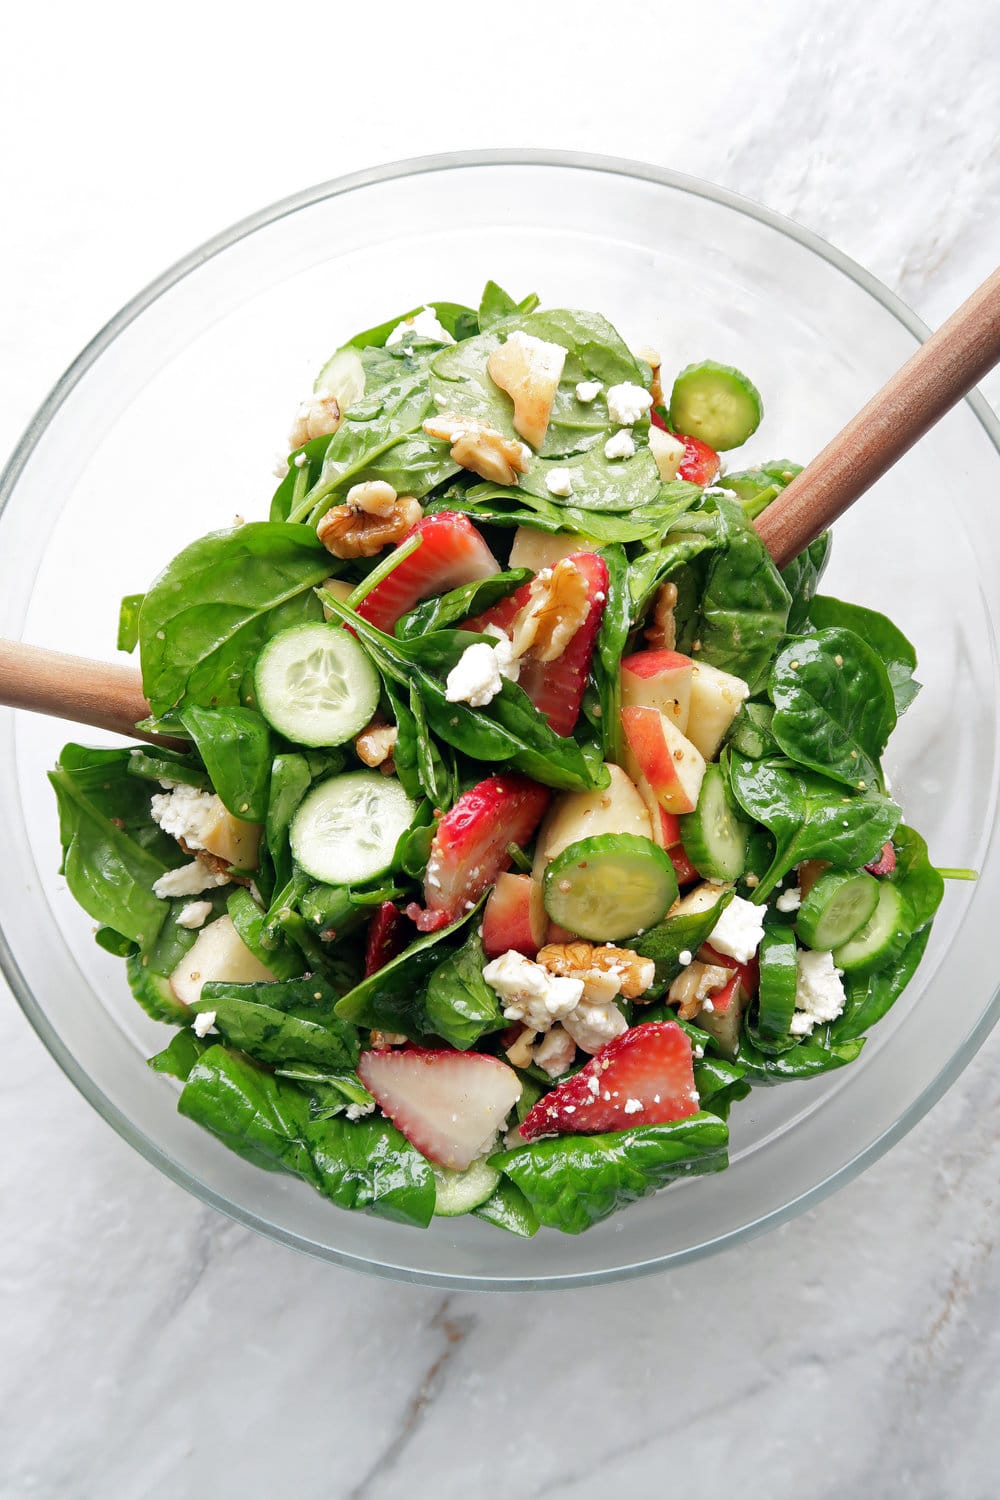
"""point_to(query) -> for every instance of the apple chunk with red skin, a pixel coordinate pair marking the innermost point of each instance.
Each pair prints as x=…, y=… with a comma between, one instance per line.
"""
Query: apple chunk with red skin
x=669, y=761
x=659, y=679
x=511, y=918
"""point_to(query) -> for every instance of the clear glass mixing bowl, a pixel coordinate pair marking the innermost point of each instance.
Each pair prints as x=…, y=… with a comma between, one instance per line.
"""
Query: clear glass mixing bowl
x=167, y=426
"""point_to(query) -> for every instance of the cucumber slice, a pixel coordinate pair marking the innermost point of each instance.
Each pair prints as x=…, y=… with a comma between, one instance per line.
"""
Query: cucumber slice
x=315, y=685
x=881, y=939
x=714, y=836
x=461, y=1192
x=778, y=982
x=343, y=375
x=154, y=993
x=837, y=907
x=609, y=886
x=715, y=403
x=346, y=829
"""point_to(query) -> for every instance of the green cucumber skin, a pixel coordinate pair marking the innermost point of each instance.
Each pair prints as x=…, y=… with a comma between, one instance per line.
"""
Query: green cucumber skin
x=463, y=1192
x=815, y=918
x=716, y=853
x=778, y=983
x=274, y=699
x=881, y=940
x=730, y=427
x=573, y=909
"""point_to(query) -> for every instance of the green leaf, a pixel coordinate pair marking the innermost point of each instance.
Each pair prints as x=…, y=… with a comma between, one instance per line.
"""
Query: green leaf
x=459, y=1005
x=599, y=483
x=285, y=1034
x=720, y=1084
x=455, y=318
x=807, y=1059
x=870, y=996
x=685, y=933
x=745, y=604
x=801, y=578
x=920, y=884
x=283, y=960
x=393, y=998
x=128, y=622
x=575, y=1181
x=235, y=744
x=496, y=305
x=167, y=765
x=331, y=1091
x=179, y=1056
x=290, y=779
x=509, y=1209
x=444, y=610
x=611, y=638
x=885, y=639
x=833, y=707
x=210, y=611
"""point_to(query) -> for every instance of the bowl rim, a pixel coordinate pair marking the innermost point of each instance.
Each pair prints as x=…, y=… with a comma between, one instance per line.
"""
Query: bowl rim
x=35, y=429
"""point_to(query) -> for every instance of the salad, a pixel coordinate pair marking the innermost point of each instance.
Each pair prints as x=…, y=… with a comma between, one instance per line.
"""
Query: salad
x=517, y=815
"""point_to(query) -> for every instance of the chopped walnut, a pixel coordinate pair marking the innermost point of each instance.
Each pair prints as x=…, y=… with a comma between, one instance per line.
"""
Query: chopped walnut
x=528, y=369
x=347, y=532
x=519, y=1054
x=480, y=448
x=694, y=984
x=374, y=498
x=662, y=634
x=558, y=603
x=381, y=1041
x=318, y=416
x=374, y=745
x=606, y=971
x=214, y=862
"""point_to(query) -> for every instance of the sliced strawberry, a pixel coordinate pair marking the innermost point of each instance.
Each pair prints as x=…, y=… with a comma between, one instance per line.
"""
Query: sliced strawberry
x=507, y=918
x=658, y=420
x=649, y=1066
x=469, y=849
x=556, y=687
x=700, y=464
x=385, y=939
x=451, y=553
x=886, y=862
x=449, y=1105
x=683, y=868
x=747, y=974
x=721, y=1000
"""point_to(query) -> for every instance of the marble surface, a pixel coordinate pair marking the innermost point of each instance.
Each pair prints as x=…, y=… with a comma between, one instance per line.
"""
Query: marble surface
x=149, y=1347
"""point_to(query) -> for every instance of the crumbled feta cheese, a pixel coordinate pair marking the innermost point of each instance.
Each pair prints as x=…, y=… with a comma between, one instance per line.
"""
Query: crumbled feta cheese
x=509, y=664
x=204, y=1024
x=188, y=814
x=559, y=482
x=529, y=992
x=588, y=390
x=739, y=930
x=424, y=324
x=475, y=678
x=685, y=957
x=628, y=403
x=632, y=1106
x=188, y=880
x=280, y=467
x=622, y=445
x=300, y=460
x=789, y=900
x=593, y=1026
x=819, y=991
x=195, y=914
x=555, y=1051
x=358, y=1111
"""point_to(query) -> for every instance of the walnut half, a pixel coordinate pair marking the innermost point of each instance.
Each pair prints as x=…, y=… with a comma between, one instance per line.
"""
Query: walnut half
x=348, y=531
x=662, y=634
x=606, y=971
x=558, y=604
x=480, y=448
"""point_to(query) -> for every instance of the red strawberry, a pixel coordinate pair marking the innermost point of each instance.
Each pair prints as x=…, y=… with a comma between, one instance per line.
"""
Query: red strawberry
x=747, y=974
x=886, y=862
x=683, y=868
x=649, y=1065
x=449, y=1105
x=451, y=553
x=385, y=939
x=657, y=420
x=556, y=687
x=507, y=918
x=469, y=849
x=700, y=464
x=721, y=1000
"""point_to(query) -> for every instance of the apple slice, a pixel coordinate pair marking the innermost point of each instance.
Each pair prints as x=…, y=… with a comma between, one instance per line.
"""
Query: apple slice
x=511, y=918
x=542, y=549
x=701, y=899
x=670, y=763
x=666, y=825
x=218, y=953
x=449, y=1105
x=661, y=680
x=715, y=701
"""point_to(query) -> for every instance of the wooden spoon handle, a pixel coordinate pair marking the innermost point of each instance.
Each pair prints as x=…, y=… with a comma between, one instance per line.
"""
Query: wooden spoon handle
x=102, y=694
x=933, y=379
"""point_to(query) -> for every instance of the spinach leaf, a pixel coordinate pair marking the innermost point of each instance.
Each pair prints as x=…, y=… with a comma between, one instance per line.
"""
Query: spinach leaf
x=509, y=1209
x=720, y=1084
x=393, y=998
x=290, y=779
x=459, y=1005
x=745, y=604
x=331, y=1092
x=808, y=1058
x=600, y=483
x=280, y=1033
x=885, y=638
x=809, y=816
x=211, y=610
x=235, y=744
x=365, y=1164
x=444, y=610
x=801, y=578
x=833, y=706
x=870, y=996
x=405, y=753
x=665, y=942
x=750, y=732
x=496, y=305
x=455, y=318
x=575, y=1181
x=651, y=569
x=179, y=1056
x=918, y=881
x=283, y=960
x=611, y=638
x=128, y=622
x=501, y=506
x=167, y=765
x=438, y=779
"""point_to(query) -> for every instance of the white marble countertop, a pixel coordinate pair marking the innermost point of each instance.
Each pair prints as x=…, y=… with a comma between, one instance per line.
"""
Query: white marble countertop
x=149, y=1347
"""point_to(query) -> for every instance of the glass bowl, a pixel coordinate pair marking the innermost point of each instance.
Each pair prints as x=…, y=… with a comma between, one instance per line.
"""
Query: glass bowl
x=167, y=426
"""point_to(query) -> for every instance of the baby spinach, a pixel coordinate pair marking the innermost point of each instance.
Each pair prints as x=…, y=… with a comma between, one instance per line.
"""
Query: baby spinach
x=167, y=765
x=210, y=611
x=235, y=744
x=833, y=706
x=920, y=884
x=455, y=318
x=284, y=960
x=180, y=1055
x=393, y=998
x=611, y=638
x=575, y=1181
x=285, y=1032
x=509, y=1209
x=289, y=781
x=720, y=1084
x=459, y=1005
x=128, y=622
x=496, y=305
x=870, y=996
x=809, y=816
x=684, y=933
x=801, y=578
x=331, y=1091
x=599, y=483
x=808, y=1058
x=445, y=610
x=885, y=639
x=744, y=606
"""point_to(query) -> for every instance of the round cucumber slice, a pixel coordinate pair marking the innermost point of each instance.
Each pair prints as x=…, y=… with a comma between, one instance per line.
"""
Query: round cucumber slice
x=610, y=886
x=837, y=906
x=715, y=403
x=461, y=1192
x=881, y=939
x=778, y=983
x=315, y=685
x=347, y=828
x=714, y=835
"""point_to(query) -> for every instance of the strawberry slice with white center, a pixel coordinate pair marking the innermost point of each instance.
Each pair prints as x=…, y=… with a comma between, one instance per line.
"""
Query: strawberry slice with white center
x=449, y=1105
x=469, y=849
x=385, y=939
x=643, y=1077
x=451, y=553
x=556, y=688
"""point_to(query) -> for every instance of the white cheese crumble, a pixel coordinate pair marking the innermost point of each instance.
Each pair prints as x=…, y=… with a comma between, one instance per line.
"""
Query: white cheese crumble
x=555, y=1051
x=509, y=664
x=358, y=1111
x=628, y=403
x=622, y=445
x=559, y=482
x=424, y=324
x=789, y=900
x=819, y=991
x=588, y=390
x=593, y=1026
x=188, y=880
x=195, y=914
x=475, y=678
x=685, y=957
x=632, y=1106
x=188, y=814
x=204, y=1024
x=739, y=930
x=529, y=992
